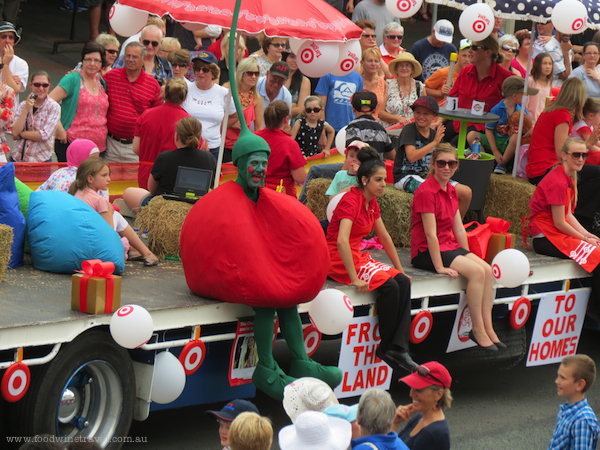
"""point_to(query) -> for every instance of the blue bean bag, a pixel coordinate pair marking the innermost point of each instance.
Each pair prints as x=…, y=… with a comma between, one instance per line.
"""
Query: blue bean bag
x=10, y=214
x=64, y=231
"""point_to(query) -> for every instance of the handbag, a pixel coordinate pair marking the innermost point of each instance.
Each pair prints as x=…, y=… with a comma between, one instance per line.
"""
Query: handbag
x=478, y=237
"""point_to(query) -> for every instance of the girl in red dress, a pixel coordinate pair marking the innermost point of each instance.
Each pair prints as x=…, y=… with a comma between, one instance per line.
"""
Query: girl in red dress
x=435, y=217
x=355, y=216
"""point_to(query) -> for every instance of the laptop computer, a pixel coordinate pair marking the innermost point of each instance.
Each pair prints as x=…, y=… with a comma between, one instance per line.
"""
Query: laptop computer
x=190, y=184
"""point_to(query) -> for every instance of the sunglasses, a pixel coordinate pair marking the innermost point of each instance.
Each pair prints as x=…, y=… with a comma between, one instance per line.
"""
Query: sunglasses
x=369, y=36
x=181, y=66
x=440, y=163
x=147, y=43
x=112, y=52
x=311, y=110
x=510, y=49
x=278, y=45
x=424, y=371
x=579, y=155
x=476, y=47
x=41, y=85
x=202, y=69
x=393, y=37
x=253, y=73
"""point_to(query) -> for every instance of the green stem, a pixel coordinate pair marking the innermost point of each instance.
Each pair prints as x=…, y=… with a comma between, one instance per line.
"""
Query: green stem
x=232, y=83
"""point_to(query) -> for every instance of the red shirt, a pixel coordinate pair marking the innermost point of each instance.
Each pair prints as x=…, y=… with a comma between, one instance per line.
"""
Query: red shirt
x=542, y=151
x=285, y=156
x=128, y=100
x=489, y=90
x=552, y=190
x=351, y=207
x=156, y=130
x=431, y=198
x=215, y=49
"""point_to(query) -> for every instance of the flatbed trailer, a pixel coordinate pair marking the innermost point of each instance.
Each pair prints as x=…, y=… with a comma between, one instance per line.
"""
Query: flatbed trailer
x=84, y=384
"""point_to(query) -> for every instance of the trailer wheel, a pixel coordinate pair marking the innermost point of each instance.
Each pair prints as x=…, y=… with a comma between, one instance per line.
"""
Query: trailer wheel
x=87, y=390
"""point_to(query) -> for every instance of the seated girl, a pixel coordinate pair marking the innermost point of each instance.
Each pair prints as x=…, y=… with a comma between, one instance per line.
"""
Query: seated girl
x=586, y=126
x=435, y=217
x=93, y=175
x=164, y=171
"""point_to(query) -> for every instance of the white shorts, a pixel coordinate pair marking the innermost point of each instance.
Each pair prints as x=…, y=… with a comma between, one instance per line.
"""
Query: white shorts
x=119, y=222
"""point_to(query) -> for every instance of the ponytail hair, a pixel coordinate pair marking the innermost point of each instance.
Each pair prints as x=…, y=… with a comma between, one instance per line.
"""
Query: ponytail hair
x=88, y=167
x=370, y=162
x=189, y=131
x=275, y=113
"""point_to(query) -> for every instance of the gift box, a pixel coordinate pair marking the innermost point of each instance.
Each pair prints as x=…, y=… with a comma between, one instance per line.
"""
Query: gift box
x=499, y=242
x=96, y=290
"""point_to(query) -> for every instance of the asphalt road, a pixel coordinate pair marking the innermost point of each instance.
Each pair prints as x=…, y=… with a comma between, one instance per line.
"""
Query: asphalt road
x=493, y=409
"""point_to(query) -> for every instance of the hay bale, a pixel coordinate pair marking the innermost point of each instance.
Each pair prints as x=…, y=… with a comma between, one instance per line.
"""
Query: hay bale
x=316, y=200
x=508, y=198
x=6, y=238
x=163, y=219
x=396, y=214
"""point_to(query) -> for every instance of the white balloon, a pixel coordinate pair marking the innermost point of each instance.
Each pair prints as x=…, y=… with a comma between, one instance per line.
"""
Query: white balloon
x=510, y=267
x=476, y=22
x=331, y=311
x=131, y=326
x=317, y=59
x=340, y=141
x=125, y=20
x=403, y=9
x=295, y=44
x=350, y=54
x=169, y=378
x=191, y=26
x=333, y=204
x=570, y=17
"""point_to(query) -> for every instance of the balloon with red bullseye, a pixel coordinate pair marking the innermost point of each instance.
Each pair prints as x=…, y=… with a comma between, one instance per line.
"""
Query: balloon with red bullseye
x=15, y=382
x=403, y=9
x=570, y=17
x=316, y=59
x=312, y=339
x=295, y=44
x=476, y=22
x=350, y=54
x=331, y=311
x=192, y=356
x=510, y=267
x=125, y=20
x=131, y=326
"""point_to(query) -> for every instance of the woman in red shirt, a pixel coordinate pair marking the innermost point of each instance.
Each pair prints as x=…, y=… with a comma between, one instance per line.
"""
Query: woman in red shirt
x=286, y=164
x=355, y=216
x=435, y=217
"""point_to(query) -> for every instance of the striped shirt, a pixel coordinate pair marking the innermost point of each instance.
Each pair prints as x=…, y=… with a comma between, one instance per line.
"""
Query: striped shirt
x=128, y=100
x=45, y=120
x=576, y=428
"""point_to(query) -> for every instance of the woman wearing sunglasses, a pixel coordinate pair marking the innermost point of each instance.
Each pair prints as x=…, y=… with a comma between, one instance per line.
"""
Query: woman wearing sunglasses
x=297, y=84
x=307, y=130
x=36, y=121
x=430, y=390
x=435, y=216
x=246, y=77
x=509, y=48
x=272, y=52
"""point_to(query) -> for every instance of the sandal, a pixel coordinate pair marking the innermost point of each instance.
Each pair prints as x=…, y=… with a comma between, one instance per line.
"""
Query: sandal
x=134, y=256
x=149, y=262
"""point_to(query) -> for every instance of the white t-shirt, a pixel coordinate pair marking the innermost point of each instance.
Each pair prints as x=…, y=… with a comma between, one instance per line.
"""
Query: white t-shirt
x=209, y=108
x=19, y=67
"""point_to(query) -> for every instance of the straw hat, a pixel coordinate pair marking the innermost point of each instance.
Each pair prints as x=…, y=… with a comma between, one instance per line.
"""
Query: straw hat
x=315, y=431
x=307, y=394
x=406, y=57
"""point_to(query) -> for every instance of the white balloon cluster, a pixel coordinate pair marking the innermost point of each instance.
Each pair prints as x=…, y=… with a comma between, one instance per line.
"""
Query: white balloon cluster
x=476, y=22
x=569, y=17
x=316, y=59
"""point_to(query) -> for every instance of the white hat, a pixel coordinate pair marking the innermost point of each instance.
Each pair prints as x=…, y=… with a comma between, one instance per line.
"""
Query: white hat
x=444, y=30
x=307, y=394
x=315, y=431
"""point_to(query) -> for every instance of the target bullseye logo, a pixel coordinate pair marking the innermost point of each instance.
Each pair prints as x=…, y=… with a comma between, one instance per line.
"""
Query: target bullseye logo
x=348, y=303
x=307, y=56
x=192, y=356
x=520, y=313
x=479, y=26
x=125, y=311
x=496, y=272
x=421, y=327
x=347, y=65
x=111, y=13
x=403, y=5
x=15, y=382
x=312, y=339
x=578, y=24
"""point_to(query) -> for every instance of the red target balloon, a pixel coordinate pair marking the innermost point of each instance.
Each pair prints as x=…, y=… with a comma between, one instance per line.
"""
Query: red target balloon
x=403, y=5
x=307, y=56
x=15, y=382
x=421, y=327
x=478, y=26
x=312, y=339
x=520, y=313
x=496, y=272
x=192, y=356
x=347, y=65
x=111, y=12
x=578, y=23
x=125, y=310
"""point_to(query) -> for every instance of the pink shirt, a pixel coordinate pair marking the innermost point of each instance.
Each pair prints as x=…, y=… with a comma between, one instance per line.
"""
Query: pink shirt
x=90, y=119
x=94, y=199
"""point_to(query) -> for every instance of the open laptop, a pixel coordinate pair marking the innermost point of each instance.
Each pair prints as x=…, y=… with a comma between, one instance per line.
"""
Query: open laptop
x=190, y=184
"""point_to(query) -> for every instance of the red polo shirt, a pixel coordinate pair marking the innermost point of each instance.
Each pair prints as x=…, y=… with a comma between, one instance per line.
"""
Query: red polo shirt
x=542, y=150
x=285, y=156
x=489, y=90
x=128, y=100
x=431, y=198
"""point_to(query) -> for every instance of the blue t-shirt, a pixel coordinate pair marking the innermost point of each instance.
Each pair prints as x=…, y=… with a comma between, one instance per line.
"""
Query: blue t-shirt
x=501, y=127
x=341, y=181
x=431, y=58
x=339, y=91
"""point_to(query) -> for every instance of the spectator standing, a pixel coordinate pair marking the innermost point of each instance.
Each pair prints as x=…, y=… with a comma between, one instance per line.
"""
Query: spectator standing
x=14, y=70
x=35, y=123
x=180, y=63
x=437, y=85
x=111, y=51
x=371, y=65
x=335, y=92
x=541, y=78
x=131, y=91
x=393, y=34
x=271, y=87
x=7, y=108
x=9, y=10
x=558, y=48
x=509, y=47
x=433, y=52
x=152, y=20
x=297, y=84
x=496, y=31
x=520, y=61
x=272, y=53
x=588, y=71
x=368, y=40
x=224, y=61
x=376, y=11
x=168, y=45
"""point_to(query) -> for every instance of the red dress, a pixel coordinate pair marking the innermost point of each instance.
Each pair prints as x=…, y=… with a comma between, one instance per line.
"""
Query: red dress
x=352, y=206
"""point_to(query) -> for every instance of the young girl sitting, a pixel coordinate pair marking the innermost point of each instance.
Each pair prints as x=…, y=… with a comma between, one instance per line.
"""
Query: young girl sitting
x=585, y=127
x=542, y=74
x=93, y=175
x=308, y=128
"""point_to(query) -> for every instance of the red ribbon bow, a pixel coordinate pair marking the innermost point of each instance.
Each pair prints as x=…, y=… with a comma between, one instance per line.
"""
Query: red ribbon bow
x=501, y=226
x=96, y=268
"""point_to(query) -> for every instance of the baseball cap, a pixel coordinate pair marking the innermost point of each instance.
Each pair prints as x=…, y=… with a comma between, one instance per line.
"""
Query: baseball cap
x=233, y=409
x=465, y=43
x=280, y=69
x=345, y=412
x=6, y=27
x=427, y=101
x=206, y=57
x=444, y=30
x=364, y=99
x=514, y=85
x=427, y=374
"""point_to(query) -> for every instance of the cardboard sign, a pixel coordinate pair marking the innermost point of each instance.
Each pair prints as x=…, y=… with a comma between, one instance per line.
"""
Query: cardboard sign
x=557, y=326
x=459, y=339
x=362, y=369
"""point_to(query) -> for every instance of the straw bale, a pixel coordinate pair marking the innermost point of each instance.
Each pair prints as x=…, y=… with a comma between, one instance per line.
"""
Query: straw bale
x=508, y=198
x=163, y=219
x=6, y=239
x=316, y=200
x=396, y=214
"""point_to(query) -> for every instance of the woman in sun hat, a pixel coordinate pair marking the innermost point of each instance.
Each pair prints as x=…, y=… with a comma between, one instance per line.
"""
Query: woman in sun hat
x=307, y=394
x=430, y=391
x=313, y=430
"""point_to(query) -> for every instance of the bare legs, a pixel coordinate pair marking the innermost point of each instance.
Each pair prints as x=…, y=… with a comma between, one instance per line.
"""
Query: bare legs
x=133, y=196
x=464, y=194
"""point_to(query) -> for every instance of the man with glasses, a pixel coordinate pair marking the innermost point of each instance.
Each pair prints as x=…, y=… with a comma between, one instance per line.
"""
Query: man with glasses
x=559, y=47
x=376, y=11
x=271, y=87
x=131, y=91
x=433, y=52
x=14, y=71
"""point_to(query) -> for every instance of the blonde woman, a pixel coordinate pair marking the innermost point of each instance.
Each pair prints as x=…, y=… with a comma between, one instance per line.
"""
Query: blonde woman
x=224, y=61
x=371, y=64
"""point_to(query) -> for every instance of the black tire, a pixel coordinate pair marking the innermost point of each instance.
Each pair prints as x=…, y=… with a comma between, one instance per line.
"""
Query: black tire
x=91, y=379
